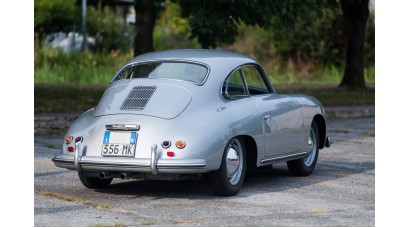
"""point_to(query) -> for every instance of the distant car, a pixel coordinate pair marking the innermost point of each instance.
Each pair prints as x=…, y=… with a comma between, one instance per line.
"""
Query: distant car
x=178, y=114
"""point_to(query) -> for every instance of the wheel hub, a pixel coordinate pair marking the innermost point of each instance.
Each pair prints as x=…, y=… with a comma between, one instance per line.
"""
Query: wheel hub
x=232, y=161
x=312, y=151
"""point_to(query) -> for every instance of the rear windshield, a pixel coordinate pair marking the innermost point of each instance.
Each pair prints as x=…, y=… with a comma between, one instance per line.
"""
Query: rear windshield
x=170, y=70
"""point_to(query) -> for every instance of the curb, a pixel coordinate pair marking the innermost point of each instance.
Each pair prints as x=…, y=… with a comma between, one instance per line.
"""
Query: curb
x=344, y=112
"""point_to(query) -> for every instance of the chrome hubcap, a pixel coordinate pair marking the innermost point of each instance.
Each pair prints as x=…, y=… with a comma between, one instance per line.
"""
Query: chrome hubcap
x=234, y=163
x=312, y=150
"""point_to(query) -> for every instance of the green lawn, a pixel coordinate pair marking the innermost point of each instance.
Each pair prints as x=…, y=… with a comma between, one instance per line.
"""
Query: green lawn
x=79, y=98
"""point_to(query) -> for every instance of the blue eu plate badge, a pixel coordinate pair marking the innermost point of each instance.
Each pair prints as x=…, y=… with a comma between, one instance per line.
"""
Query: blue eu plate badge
x=133, y=138
x=106, y=137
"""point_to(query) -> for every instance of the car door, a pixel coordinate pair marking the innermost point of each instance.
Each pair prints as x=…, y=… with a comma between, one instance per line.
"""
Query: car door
x=280, y=115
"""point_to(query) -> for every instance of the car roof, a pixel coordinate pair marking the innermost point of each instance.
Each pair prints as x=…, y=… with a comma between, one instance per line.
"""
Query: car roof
x=206, y=56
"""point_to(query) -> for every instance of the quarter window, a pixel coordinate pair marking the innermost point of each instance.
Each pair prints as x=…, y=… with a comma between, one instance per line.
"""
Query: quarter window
x=235, y=85
x=254, y=80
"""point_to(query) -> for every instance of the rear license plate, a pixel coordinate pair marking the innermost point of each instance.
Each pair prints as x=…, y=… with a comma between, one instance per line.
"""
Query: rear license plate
x=121, y=144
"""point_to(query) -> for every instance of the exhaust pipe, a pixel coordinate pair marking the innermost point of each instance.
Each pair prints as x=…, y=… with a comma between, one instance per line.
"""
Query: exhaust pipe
x=103, y=175
x=122, y=176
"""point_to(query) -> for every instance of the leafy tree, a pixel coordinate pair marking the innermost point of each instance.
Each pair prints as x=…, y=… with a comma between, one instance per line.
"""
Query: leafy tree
x=355, y=16
x=145, y=15
x=54, y=16
x=110, y=32
x=171, y=31
x=216, y=22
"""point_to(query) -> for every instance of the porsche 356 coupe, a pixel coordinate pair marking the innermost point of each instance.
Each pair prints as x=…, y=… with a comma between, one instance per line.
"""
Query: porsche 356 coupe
x=178, y=114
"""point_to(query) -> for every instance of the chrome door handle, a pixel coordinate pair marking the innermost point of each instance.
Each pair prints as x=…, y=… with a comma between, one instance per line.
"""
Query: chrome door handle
x=267, y=117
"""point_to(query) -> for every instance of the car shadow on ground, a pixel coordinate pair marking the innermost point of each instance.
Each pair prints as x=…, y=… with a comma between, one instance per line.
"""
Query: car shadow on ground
x=257, y=181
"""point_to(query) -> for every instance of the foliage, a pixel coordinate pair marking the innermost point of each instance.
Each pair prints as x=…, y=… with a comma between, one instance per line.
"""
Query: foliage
x=172, y=31
x=55, y=15
x=300, y=42
x=216, y=22
x=53, y=66
x=111, y=31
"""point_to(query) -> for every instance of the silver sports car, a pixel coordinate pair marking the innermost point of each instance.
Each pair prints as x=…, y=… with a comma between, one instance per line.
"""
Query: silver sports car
x=180, y=114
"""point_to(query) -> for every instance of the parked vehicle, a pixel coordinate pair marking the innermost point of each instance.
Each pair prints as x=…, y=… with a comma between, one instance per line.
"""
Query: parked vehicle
x=178, y=114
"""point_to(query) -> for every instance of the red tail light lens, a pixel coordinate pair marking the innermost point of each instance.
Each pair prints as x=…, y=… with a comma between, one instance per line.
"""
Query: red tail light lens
x=70, y=149
x=170, y=154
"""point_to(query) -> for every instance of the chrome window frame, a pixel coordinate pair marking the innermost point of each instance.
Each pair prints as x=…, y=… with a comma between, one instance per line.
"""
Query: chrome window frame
x=224, y=92
x=263, y=75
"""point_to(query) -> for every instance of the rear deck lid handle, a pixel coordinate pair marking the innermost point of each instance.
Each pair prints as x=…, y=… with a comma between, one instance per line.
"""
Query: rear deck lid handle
x=123, y=127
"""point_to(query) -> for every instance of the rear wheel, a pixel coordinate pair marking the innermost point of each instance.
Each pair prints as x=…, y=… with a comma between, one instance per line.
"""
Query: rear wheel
x=227, y=180
x=94, y=182
x=305, y=166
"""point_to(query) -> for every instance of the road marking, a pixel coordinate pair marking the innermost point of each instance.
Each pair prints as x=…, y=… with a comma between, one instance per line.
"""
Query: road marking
x=43, y=163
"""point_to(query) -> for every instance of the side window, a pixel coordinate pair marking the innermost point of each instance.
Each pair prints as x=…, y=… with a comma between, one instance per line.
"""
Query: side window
x=255, y=82
x=234, y=85
x=125, y=73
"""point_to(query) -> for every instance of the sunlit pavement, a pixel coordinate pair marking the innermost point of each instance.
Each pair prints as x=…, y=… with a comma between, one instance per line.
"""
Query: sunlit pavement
x=340, y=192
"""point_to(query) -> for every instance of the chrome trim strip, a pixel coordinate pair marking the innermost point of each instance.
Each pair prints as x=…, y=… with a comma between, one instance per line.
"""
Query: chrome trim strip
x=283, y=157
x=123, y=127
x=154, y=159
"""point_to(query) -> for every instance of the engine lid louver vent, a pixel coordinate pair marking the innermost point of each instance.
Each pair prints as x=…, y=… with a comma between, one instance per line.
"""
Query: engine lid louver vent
x=138, y=98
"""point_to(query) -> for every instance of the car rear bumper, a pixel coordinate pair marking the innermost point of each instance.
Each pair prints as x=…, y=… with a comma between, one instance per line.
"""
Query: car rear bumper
x=143, y=165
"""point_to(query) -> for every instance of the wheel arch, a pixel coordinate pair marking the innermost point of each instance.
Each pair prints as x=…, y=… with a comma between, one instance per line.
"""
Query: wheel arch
x=322, y=129
x=251, y=151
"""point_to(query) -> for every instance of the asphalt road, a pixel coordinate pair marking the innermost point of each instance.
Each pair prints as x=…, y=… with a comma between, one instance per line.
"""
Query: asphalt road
x=340, y=192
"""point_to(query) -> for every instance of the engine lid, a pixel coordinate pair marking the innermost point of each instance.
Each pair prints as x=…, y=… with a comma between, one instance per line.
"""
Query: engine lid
x=151, y=99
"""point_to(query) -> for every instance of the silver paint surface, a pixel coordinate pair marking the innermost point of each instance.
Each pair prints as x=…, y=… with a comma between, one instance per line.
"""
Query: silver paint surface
x=197, y=114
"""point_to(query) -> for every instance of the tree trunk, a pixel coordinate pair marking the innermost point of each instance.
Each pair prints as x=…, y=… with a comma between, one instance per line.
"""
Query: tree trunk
x=145, y=20
x=355, y=15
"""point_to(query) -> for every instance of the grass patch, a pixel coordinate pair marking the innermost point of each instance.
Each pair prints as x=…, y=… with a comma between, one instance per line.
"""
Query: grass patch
x=149, y=222
x=104, y=206
x=73, y=199
x=66, y=97
x=53, y=66
x=118, y=224
x=192, y=221
x=369, y=134
x=50, y=146
x=65, y=198
x=357, y=142
x=79, y=98
x=341, y=131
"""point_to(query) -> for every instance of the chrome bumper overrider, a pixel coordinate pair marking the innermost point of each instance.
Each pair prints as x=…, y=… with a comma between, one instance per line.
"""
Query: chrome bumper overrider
x=121, y=164
x=328, y=142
